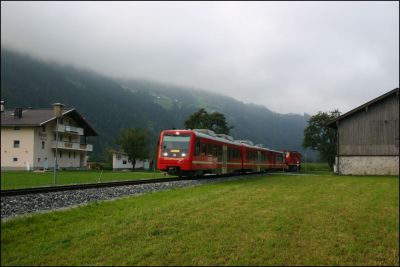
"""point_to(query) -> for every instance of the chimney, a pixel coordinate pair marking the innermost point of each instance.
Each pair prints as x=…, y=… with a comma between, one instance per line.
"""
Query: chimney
x=18, y=113
x=2, y=105
x=57, y=109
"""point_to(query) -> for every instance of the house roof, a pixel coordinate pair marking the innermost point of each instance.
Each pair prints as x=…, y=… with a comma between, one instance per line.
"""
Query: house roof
x=333, y=124
x=39, y=117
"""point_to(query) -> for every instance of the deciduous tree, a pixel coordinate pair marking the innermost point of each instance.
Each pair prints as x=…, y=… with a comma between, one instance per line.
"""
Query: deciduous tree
x=215, y=121
x=135, y=142
x=319, y=137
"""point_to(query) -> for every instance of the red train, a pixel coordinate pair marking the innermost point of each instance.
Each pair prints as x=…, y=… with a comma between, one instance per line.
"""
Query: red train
x=293, y=160
x=197, y=152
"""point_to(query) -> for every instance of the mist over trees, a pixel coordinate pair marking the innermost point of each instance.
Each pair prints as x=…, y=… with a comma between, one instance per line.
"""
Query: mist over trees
x=110, y=105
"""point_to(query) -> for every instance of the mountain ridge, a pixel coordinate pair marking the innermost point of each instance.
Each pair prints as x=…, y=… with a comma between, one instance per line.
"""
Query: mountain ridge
x=111, y=104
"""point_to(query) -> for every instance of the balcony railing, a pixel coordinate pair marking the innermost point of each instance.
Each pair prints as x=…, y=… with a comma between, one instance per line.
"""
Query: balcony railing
x=70, y=129
x=72, y=146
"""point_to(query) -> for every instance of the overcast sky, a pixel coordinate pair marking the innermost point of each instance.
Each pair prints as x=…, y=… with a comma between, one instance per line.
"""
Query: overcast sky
x=292, y=57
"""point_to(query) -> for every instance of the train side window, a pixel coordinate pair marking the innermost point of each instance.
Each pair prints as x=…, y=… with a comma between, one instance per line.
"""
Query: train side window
x=210, y=150
x=203, y=149
x=219, y=152
x=197, y=147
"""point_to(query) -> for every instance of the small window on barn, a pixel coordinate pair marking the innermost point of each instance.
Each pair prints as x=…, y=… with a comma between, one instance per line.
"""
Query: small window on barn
x=15, y=159
x=16, y=143
x=124, y=162
x=43, y=144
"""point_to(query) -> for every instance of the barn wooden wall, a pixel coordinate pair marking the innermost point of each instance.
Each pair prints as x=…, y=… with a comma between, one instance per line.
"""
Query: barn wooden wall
x=373, y=131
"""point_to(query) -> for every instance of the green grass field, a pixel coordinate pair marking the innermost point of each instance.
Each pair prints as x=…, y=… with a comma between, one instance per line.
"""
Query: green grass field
x=23, y=179
x=269, y=220
x=314, y=167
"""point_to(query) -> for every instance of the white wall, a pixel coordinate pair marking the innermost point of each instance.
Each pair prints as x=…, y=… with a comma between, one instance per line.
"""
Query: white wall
x=369, y=165
x=23, y=154
x=119, y=159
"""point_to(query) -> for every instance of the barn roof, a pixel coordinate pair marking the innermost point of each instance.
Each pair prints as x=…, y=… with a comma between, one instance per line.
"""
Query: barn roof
x=39, y=117
x=333, y=123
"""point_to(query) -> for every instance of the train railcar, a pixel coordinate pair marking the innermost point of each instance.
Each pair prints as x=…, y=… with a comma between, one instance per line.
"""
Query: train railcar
x=197, y=152
x=293, y=160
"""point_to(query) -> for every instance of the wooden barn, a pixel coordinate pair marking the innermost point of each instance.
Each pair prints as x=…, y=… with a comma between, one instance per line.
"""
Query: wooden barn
x=368, y=137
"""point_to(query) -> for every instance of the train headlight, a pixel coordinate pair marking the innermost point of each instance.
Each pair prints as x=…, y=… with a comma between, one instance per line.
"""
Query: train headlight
x=183, y=154
x=165, y=154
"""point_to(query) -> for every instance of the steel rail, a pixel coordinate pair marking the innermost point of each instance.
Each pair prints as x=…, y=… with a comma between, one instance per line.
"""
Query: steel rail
x=47, y=189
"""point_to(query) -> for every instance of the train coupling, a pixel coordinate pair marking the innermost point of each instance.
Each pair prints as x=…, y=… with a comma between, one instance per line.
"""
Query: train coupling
x=173, y=170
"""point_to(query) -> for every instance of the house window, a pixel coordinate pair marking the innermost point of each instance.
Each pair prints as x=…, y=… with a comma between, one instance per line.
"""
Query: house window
x=61, y=120
x=69, y=139
x=42, y=144
x=38, y=159
x=60, y=154
x=69, y=154
x=74, y=154
x=16, y=143
x=15, y=159
x=124, y=162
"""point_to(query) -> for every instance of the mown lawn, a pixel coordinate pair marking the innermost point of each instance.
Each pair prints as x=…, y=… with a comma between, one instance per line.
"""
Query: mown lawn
x=24, y=179
x=307, y=167
x=271, y=220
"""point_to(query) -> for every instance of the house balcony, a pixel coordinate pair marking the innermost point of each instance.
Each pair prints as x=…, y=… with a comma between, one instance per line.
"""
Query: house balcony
x=72, y=146
x=69, y=129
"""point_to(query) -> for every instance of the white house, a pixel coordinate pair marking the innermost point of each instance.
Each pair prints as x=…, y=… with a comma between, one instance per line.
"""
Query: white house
x=28, y=138
x=121, y=162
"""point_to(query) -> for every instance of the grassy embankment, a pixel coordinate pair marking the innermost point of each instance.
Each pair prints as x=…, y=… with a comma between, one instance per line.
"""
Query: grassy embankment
x=23, y=179
x=269, y=220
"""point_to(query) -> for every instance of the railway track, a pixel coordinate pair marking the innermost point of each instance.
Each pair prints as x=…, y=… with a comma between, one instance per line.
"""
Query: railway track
x=30, y=200
x=47, y=189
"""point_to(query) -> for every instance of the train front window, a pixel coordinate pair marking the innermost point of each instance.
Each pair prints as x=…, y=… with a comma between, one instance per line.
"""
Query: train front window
x=175, y=146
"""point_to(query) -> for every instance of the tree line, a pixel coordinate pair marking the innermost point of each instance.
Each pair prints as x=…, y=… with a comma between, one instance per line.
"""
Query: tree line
x=135, y=142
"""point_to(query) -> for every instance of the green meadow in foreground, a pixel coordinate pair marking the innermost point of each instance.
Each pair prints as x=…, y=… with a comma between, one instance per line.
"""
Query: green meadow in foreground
x=24, y=179
x=267, y=220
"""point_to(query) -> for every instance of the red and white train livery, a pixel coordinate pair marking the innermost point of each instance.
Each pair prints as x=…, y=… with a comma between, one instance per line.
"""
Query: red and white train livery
x=197, y=152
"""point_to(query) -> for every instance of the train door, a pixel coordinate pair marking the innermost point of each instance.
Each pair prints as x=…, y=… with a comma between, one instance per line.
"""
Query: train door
x=224, y=159
x=259, y=161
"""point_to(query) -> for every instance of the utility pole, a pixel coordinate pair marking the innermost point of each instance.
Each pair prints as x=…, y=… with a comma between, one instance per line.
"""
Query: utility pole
x=57, y=111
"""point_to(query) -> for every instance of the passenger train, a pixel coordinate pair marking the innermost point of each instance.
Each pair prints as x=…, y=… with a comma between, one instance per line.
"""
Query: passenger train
x=201, y=151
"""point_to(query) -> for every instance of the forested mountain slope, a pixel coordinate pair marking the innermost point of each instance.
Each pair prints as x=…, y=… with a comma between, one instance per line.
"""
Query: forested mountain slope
x=110, y=104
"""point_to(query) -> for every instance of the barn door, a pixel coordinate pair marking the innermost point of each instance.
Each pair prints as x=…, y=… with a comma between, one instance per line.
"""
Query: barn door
x=224, y=159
